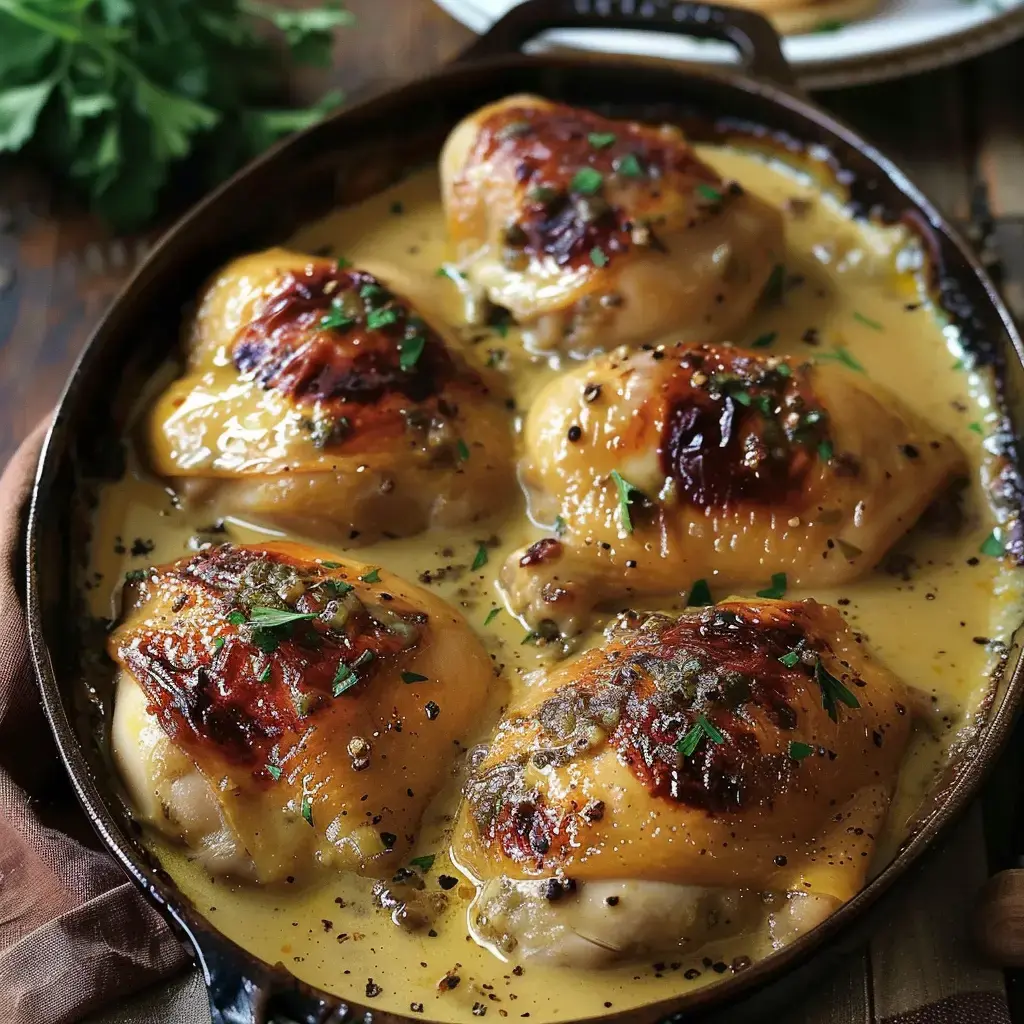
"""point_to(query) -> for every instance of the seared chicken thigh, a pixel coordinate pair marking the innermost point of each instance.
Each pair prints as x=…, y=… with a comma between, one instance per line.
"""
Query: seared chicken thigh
x=594, y=232
x=709, y=462
x=277, y=710
x=316, y=399
x=683, y=780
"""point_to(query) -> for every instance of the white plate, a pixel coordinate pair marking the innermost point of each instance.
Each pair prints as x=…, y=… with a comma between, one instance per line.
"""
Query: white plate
x=903, y=36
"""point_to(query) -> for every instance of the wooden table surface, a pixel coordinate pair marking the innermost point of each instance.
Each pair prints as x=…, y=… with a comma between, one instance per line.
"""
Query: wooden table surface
x=959, y=133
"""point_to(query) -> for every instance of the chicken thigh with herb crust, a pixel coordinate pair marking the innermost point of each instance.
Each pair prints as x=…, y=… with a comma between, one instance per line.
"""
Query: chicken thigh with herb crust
x=682, y=781
x=664, y=467
x=594, y=232
x=277, y=710
x=317, y=399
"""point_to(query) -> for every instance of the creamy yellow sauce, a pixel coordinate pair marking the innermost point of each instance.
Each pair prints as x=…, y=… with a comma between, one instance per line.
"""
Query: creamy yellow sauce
x=860, y=290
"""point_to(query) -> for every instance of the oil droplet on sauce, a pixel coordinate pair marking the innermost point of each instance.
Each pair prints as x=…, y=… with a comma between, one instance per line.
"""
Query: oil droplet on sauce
x=922, y=624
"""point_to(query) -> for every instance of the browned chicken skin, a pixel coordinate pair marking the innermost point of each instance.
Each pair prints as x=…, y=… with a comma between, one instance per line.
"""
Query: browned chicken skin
x=712, y=462
x=594, y=232
x=277, y=709
x=753, y=746
x=317, y=399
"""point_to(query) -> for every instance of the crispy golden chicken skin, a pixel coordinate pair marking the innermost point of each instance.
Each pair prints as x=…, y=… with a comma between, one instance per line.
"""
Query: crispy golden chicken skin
x=729, y=757
x=594, y=232
x=317, y=399
x=711, y=462
x=277, y=709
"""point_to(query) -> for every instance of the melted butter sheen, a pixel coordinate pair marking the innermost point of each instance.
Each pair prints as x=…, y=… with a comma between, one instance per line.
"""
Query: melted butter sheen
x=855, y=291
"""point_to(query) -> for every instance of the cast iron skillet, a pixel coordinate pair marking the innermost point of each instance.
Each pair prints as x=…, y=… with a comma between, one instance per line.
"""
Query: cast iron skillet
x=353, y=155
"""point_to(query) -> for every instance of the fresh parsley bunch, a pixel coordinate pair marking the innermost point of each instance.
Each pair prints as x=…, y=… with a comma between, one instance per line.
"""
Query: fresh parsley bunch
x=112, y=95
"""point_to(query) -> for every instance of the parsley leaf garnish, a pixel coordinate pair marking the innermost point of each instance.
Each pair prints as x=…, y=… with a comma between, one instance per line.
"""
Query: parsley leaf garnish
x=833, y=692
x=331, y=565
x=373, y=576
x=347, y=676
x=700, y=595
x=236, y=617
x=275, y=772
x=598, y=257
x=413, y=677
x=798, y=751
x=626, y=493
x=463, y=449
x=841, y=354
x=764, y=340
x=993, y=546
x=699, y=730
x=378, y=318
x=778, y=587
x=491, y=616
x=825, y=450
x=269, y=618
x=712, y=195
x=336, y=318
x=976, y=427
x=136, y=575
x=218, y=642
x=306, y=809
x=586, y=181
x=264, y=676
x=628, y=166
x=409, y=352
x=601, y=140
x=791, y=658
x=867, y=321
x=481, y=557
x=424, y=863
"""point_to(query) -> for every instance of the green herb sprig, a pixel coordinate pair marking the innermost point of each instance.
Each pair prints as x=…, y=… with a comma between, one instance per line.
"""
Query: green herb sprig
x=113, y=95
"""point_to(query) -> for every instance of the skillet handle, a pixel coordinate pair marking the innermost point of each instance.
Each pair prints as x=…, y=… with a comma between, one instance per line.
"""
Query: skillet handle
x=752, y=35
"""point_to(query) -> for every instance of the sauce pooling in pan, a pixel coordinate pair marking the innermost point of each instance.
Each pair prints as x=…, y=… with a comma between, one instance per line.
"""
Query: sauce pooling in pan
x=532, y=898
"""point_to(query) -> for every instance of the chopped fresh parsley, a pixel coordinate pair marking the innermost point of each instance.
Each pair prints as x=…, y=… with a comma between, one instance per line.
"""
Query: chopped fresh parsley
x=841, y=354
x=373, y=576
x=560, y=526
x=798, y=751
x=867, y=321
x=601, y=140
x=778, y=587
x=699, y=730
x=379, y=318
x=413, y=677
x=264, y=676
x=136, y=575
x=491, y=615
x=336, y=318
x=993, y=546
x=306, y=809
x=275, y=772
x=976, y=427
x=586, y=181
x=331, y=565
x=531, y=638
x=700, y=595
x=463, y=450
x=347, y=676
x=833, y=692
x=712, y=195
x=481, y=557
x=342, y=264
x=764, y=340
x=218, y=642
x=825, y=450
x=790, y=659
x=598, y=257
x=626, y=492
x=628, y=166
x=743, y=397
x=268, y=618
x=424, y=863
x=236, y=617
x=409, y=352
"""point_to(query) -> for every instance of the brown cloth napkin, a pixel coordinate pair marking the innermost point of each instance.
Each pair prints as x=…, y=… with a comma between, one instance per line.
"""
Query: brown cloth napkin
x=75, y=934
